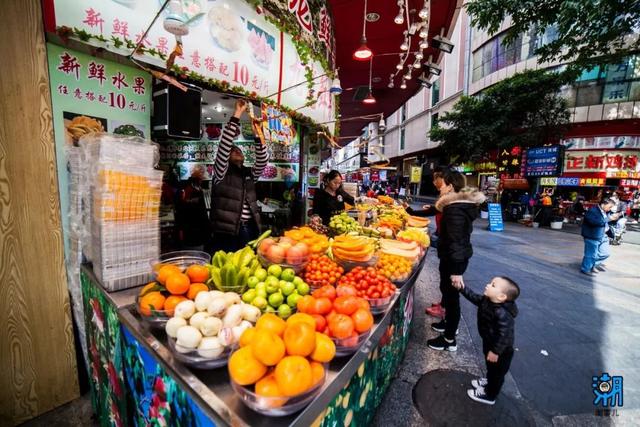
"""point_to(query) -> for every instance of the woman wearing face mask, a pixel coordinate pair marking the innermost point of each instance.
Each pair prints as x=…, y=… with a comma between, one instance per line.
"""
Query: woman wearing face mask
x=330, y=199
x=459, y=207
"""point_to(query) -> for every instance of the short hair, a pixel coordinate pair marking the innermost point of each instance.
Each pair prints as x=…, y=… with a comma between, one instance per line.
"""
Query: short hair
x=607, y=200
x=513, y=290
x=456, y=179
x=439, y=171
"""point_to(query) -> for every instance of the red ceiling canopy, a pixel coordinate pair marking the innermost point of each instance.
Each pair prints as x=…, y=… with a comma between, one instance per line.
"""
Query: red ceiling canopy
x=383, y=37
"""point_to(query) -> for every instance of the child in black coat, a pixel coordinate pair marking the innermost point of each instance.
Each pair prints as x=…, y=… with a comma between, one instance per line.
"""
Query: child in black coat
x=496, y=319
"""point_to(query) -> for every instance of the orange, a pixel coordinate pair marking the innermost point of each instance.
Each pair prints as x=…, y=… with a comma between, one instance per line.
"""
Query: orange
x=293, y=375
x=300, y=338
x=178, y=283
x=148, y=288
x=272, y=323
x=268, y=387
x=362, y=320
x=247, y=337
x=153, y=301
x=325, y=349
x=198, y=273
x=171, y=302
x=301, y=317
x=306, y=304
x=195, y=289
x=245, y=369
x=341, y=326
x=317, y=373
x=267, y=347
x=165, y=271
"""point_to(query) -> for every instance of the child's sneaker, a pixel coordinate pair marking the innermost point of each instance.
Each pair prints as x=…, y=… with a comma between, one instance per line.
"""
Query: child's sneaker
x=441, y=343
x=479, y=383
x=479, y=395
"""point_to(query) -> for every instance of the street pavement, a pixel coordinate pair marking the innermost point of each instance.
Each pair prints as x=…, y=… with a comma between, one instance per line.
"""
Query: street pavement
x=570, y=328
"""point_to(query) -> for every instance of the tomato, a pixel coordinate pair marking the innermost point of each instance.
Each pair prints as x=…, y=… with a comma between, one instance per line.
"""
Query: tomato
x=306, y=304
x=343, y=290
x=321, y=322
x=341, y=326
x=362, y=320
x=346, y=305
x=323, y=306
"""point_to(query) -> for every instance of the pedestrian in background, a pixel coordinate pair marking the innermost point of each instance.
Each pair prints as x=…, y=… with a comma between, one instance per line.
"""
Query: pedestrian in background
x=497, y=311
x=596, y=241
x=192, y=220
x=459, y=207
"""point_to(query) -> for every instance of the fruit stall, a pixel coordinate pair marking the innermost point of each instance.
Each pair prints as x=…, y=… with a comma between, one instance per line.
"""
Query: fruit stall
x=307, y=328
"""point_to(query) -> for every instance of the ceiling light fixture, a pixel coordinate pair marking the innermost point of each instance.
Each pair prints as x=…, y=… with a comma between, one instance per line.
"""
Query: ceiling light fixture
x=399, y=67
x=433, y=68
x=419, y=54
x=423, y=44
x=424, y=32
x=403, y=85
x=442, y=43
x=424, y=12
x=404, y=45
x=399, y=19
x=381, y=124
x=335, y=88
x=370, y=99
x=363, y=52
x=417, y=64
x=390, y=86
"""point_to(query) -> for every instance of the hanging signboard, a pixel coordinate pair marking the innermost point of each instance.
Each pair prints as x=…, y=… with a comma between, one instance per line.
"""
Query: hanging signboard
x=602, y=161
x=543, y=161
x=229, y=44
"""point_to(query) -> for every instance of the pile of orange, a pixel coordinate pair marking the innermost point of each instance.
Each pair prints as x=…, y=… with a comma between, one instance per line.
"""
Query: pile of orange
x=281, y=358
x=317, y=243
x=172, y=286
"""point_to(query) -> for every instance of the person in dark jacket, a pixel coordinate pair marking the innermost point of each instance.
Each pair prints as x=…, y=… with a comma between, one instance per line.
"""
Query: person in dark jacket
x=235, y=218
x=459, y=207
x=596, y=241
x=192, y=221
x=497, y=311
x=330, y=199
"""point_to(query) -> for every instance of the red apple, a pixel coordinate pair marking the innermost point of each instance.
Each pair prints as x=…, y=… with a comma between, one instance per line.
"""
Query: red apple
x=275, y=254
x=297, y=254
x=265, y=245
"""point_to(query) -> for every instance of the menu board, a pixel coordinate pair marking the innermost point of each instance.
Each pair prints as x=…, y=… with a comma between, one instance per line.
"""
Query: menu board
x=495, y=217
x=543, y=161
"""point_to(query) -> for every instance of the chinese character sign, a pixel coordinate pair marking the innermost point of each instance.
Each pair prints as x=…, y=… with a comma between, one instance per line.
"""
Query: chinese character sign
x=544, y=161
x=610, y=161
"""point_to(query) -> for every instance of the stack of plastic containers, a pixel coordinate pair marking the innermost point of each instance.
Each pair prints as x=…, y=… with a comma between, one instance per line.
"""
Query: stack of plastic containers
x=121, y=222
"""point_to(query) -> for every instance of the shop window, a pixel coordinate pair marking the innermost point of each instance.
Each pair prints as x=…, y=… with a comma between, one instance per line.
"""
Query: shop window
x=569, y=93
x=402, y=138
x=588, y=94
x=404, y=112
x=434, y=120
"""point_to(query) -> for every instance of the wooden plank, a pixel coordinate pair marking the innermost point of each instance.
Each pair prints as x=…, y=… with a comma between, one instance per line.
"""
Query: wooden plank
x=37, y=355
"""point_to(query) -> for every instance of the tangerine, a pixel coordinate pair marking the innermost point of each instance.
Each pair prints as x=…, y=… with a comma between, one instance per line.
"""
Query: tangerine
x=293, y=375
x=197, y=273
x=317, y=373
x=195, y=289
x=152, y=301
x=267, y=347
x=272, y=323
x=325, y=349
x=301, y=317
x=171, y=302
x=346, y=305
x=178, y=283
x=245, y=369
x=165, y=271
x=300, y=338
x=247, y=337
x=268, y=387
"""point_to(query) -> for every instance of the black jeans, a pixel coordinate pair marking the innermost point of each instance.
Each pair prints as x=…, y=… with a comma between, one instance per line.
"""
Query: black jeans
x=496, y=371
x=229, y=243
x=450, y=301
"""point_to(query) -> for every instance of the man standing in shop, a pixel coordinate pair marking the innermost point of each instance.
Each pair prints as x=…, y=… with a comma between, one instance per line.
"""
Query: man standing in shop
x=235, y=217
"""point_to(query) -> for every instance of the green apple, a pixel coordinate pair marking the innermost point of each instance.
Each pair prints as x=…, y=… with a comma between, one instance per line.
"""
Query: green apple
x=288, y=274
x=261, y=274
x=303, y=289
x=261, y=293
x=276, y=299
x=292, y=300
x=275, y=270
x=284, y=311
x=249, y=296
x=261, y=286
x=287, y=288
x=252, y=282
x=297, y=280
x=272, y=280
x=273, y=286
x=259, y=302
x=270, y=309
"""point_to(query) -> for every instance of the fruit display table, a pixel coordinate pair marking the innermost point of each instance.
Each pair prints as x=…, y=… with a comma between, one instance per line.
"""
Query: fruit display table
x=135, y=380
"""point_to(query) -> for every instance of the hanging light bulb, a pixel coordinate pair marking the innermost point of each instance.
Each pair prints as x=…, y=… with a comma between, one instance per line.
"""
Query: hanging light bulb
x=407, y=76
x=404, y=45
x=403, y=85
x=424, y=32
x=363, y=53
x=424, y=12
x=399, y=67
x=390, y=86
x=419, y=54
x=423, y=44
x=417, y=64
x=399, y=19
x=381, y=124
x=369, y=99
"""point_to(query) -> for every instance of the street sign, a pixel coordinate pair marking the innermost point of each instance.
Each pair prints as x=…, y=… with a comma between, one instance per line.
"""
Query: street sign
x=495, y=217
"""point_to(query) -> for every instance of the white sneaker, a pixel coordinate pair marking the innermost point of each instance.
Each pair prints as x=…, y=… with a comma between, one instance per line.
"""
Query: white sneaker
x=479, y=383
x=479, y=395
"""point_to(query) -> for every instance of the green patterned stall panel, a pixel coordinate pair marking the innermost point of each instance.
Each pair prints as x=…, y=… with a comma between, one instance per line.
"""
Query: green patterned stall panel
x=358, y=401
x=105, y=356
